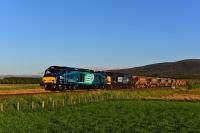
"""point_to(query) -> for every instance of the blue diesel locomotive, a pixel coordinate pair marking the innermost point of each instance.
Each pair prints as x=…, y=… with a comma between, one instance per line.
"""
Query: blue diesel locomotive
x=63, y=78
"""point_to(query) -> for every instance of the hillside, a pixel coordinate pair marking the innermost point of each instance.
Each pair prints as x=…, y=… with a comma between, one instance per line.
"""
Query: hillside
x=186, y=69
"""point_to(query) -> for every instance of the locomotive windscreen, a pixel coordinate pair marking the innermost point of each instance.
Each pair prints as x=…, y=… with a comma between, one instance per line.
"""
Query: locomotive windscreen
x=53, y=71
x=50, y=72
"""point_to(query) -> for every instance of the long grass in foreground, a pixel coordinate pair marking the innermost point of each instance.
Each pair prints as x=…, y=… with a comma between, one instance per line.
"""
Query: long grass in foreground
x=103, y=117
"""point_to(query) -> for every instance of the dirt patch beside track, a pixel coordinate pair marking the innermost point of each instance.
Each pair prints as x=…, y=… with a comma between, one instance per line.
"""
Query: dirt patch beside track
x=22, y=92
x=182, y=97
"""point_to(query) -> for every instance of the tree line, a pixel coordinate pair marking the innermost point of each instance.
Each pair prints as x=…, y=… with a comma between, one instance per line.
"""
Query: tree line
x=20, y=80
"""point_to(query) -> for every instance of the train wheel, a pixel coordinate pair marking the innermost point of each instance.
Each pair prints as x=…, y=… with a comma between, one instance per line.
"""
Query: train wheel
x=75, y=87
x=49, y=87
x=46, y=87
x=60, y=87
x=54, y=87
x=67, y=87
x=110, y=87
x=70, y=87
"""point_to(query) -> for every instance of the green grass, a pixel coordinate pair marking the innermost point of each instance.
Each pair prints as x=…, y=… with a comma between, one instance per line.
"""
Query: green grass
x=100, y=111
x=103, y=117
x=18, y=86
x=195, y=86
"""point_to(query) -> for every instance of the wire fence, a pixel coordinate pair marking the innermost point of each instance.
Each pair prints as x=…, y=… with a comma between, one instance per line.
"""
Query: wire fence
x=59, y=101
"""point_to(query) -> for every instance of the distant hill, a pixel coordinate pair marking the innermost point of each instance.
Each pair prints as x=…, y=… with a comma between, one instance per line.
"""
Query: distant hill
x=185, y=69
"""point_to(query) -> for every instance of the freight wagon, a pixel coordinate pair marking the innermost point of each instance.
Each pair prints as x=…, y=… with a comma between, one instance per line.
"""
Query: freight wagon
x=140, y=82
x=181, y=83
x=153, y=82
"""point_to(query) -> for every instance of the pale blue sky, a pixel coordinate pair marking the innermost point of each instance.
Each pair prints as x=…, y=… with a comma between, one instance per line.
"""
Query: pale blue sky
x=35, y=34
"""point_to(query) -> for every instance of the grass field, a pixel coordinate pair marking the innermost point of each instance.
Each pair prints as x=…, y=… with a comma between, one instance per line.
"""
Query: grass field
x=103, y=117
x=195, y=86
x=101, y=111
x=18, y=86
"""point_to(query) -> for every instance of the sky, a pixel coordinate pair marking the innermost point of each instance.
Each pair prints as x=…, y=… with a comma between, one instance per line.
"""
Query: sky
x=35, y=34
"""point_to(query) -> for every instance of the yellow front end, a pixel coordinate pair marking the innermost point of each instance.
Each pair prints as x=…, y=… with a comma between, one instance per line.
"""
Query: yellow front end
x=109, y=80
x=49, y=80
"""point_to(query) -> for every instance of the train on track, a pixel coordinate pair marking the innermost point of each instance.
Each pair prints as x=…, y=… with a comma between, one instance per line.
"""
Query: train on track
x=67, y=78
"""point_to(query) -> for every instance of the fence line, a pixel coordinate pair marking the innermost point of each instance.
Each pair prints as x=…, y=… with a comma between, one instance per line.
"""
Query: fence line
x=42, y=104
x=53, y=103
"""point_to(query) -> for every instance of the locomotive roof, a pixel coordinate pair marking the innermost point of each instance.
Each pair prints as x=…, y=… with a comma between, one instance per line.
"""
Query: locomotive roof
x=69, y=69
x=117, y=73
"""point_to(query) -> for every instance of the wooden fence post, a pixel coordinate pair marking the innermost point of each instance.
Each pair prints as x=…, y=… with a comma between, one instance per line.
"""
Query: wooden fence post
x=63, y=103
x=18, y=106
x=1, y=107
x=42, y=104
x=53, y=104
x=32, y=105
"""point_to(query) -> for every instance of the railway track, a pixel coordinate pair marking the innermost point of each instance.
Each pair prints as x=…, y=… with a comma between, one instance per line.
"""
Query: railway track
x=173, y=97
x=43, y=91
x=38, y=91
x=23, y=92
